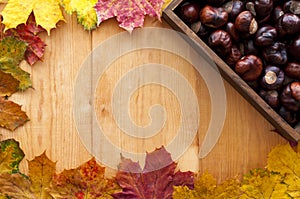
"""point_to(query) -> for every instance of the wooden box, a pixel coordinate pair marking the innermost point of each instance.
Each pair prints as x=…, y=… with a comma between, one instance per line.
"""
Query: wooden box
x=228, y=74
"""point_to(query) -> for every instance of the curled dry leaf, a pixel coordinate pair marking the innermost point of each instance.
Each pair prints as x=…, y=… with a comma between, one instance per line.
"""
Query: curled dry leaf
x=156, y=180
x=129, y=13
x=10, y=156
x=11, y=115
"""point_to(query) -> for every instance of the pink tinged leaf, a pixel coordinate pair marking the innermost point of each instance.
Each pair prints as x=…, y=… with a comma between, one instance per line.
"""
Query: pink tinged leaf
x=153, y=7
x=156, y=180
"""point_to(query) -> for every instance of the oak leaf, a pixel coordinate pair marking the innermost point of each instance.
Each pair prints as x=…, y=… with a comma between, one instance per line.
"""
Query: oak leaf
x=10, y=156
x=129, y=13
x=11, y=54
x=16, y=186
x=155, y=180
x=8, y=84
x=28, y=33
x=41, y=171
x=11, y=115
x=86, y=181
x=47, y=13
x=86, y=14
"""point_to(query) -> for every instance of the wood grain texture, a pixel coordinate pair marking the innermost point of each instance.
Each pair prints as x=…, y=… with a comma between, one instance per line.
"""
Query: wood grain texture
x=246, y=137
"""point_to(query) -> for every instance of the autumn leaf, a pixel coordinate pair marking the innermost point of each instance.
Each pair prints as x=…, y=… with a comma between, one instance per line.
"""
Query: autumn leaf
x=11, y=115
x=166, y=3
x=47, y=13
x=16, y=186
x=86, y=14
x=86, y=181
x=28, y=33
x=41, y=171
x=155, y=180
x=8, y=84
x=206, y=187
x=129, y=13
x=10, y=156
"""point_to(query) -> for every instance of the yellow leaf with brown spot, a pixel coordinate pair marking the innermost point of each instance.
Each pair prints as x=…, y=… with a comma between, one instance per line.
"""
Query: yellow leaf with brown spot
x=41, y=171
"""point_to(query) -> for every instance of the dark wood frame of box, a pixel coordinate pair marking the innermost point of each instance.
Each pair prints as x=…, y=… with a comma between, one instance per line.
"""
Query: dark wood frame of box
x=229, y=75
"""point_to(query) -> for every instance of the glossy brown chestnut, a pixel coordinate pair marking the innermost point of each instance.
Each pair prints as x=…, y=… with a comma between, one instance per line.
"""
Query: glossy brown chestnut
x=232, y=32
x=213, y=17
x=234, y=8
x=220, y=42
x=246, y=23
x=233, y=56
x=189, y=12
x=271, y=97
x=292, y=7
x=249, y=67
x=290, y=96
x=290, y=117
x=276, y=54
x=288, y=24
x=263, y=8
x=273, y=78
x=266, y=35
x=294, y=48
x=292, y=70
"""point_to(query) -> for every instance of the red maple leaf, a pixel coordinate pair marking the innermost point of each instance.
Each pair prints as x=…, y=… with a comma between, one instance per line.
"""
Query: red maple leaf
x=156, y=180
x=28, y=33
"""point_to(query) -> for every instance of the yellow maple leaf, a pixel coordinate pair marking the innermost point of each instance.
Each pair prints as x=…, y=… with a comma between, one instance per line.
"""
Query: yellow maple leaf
x=86, y=14
x=47, y=13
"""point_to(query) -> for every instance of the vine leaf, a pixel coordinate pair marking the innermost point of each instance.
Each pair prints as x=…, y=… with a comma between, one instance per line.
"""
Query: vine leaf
x=129, y=13
x=11, y=54
x=10, y=156
x=86, y=181
x=28, y=33
x=156, y=180
x=47, y=13
x=41, y=171
x=86, y=14
x=11, y=115
x=8, y=84
x=16, y=186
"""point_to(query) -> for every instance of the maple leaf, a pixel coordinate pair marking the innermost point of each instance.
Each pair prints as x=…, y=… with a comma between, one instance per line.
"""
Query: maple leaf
x=8, y=84
x=155, y=180
x=129, y=13
x=10, y=156
x=11, y=54
x=41, y=171
x=86, y=14
x=11, y=115
x=47, y=13
x=86, y=181
x=28, y=33
x=16, y=186
x=260, y=183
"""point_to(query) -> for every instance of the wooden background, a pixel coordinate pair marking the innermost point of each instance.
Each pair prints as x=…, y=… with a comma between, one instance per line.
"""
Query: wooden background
x=245, y=141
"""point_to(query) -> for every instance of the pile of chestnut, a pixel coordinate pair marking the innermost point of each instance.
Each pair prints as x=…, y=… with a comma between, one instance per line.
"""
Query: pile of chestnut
x=259, y=40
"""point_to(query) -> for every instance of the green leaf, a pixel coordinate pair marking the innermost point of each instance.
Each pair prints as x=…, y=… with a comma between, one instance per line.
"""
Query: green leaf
x=10, y=156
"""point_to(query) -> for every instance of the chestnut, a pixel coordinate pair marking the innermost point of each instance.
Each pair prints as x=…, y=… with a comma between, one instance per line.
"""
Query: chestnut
x=246, y=23
x=290, y=96
x=277, y=13
x=292, y=70
x=189, y=12
x=273, y=78
x=271, y=97
x=288, y=24
x=233, y=56
x=220, y=42
x=266, y=35
x=233, y=8
x=294, y=48
x=275, y=54
x=289, y=116
x=292, y=7
x=232, y=32
x=263, y=8
x=249, y=67
x=213, y=17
